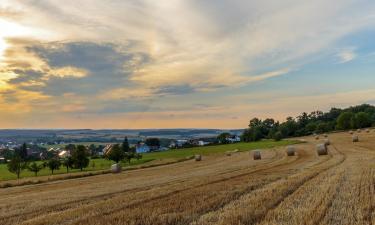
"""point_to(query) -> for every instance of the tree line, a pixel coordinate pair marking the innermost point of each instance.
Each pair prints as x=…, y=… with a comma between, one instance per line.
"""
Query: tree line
x=20, y=161
x=354, y=117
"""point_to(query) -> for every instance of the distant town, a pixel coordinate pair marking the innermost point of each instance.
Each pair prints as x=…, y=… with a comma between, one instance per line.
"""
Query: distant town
x=44, y=144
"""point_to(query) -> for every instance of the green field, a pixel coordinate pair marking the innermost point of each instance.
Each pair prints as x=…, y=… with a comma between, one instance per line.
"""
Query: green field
x=103, y=164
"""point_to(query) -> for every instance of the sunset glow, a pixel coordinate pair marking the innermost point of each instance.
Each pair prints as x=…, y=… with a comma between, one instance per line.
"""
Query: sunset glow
x=167, y=64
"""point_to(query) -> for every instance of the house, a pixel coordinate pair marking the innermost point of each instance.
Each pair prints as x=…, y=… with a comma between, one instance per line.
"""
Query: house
x=178, y=143
x=173, y=144
x=64, y=154
x=142, y=148
x=233, y=139
x=107, y=149
x=203, y=143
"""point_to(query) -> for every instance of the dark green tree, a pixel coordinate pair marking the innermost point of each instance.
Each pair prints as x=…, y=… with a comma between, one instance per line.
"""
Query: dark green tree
x=222, y=138
x=116, y=154
x=138, y=156
x=125, y=145
x=80, y=157
x=128, y=156
x=278, y=136
x=16, y=165
x=68, y=162
x=153, y=143
x=362, y=120
x=35, y=168
x=92, y=149
x=22, y=151
x=344, y=121
x=54, y=164
x=70, y=147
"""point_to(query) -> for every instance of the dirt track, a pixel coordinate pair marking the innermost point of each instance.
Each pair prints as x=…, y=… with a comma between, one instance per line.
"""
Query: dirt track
x=303, y=189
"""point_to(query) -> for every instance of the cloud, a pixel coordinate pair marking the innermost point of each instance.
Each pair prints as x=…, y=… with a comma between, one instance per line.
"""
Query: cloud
x=134, y=58
x=346, y=55
x=175, y=90
x=78, y=67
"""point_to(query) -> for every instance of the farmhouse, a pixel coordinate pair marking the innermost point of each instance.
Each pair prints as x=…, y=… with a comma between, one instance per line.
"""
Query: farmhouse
x=64, y=154
x=233, y=139
x=107, y=149
x=142, y=148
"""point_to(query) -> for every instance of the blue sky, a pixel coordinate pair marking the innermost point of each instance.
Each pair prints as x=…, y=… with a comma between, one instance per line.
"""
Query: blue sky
x=177, y=64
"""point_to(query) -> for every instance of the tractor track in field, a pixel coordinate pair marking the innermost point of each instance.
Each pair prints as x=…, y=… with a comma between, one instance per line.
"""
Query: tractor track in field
x=234, y=197
x=310, y=178
x=207, y=195
x=78, y=203
x=256, y=218
x=270, y=165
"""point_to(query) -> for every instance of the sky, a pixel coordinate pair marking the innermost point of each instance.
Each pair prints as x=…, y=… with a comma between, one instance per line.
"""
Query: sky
x=126, y=64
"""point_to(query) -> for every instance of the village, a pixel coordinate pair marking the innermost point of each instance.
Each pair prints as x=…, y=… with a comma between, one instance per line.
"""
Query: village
x=61, y=149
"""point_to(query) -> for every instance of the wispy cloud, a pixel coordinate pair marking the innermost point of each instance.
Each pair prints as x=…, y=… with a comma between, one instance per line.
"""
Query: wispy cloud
x=130, y=54
x=346, y=55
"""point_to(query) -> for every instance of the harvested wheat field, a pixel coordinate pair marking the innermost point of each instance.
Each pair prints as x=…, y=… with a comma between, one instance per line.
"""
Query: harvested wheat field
x=338, y=188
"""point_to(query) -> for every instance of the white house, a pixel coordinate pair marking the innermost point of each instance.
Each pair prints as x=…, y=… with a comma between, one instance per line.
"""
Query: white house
x=203, y=143
x=233, y=139
x=64, y=154
x=142, y=148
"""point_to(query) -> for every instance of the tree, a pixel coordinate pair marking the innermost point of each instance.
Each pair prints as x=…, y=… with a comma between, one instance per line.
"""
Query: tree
x=116, y=154
x=153, y=143
x=8, y=154
x=278, y=136
x=252, y=134
x=80, y=158
x=125, y=145
x=35, y=168
x=222, y=138
x=138, y=156
x=344, y=121
x=322, y=127
x=68, y=163
x=255, y=122
x=129, y=156
x=362, y=120
x=246, y=135
x=22, y=152
x=92, y=149
x=54, y=164
x=16, y=165
x=311, y=127
x=70, y=147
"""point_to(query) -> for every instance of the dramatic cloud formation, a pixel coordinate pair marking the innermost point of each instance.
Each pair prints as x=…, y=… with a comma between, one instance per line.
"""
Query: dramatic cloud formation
x=127, y=64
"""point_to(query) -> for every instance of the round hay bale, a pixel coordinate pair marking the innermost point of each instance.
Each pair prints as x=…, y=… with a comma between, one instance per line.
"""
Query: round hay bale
x=367, y=130
x=351, y=132
x=359, y=130
x=316, y=137
x=355, y=138
x=321, y=149
x=290, y=151
x=325, y=135
x=257, y=155
x=235, y=150
x=116, y=168
x=198, y=158
x=327, y=142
